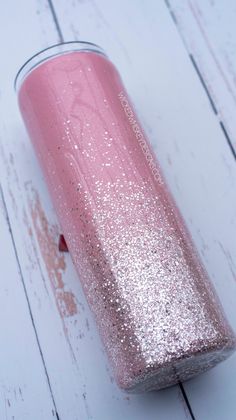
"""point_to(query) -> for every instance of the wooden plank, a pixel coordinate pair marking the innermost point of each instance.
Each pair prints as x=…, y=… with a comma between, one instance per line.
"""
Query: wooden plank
x=24, y=388
x=82, y=385
x=209, y=32
x=191, y=146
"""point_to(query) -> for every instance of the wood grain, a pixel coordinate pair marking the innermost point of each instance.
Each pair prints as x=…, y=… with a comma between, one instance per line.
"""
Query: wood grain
x=50, y=345
x=208, y=31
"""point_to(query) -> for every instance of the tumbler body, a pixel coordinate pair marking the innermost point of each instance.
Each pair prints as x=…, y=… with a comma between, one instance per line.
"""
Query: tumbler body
x=155, y=307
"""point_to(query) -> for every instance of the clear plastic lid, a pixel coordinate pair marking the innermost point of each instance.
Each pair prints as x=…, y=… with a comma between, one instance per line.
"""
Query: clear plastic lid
x=48, y=53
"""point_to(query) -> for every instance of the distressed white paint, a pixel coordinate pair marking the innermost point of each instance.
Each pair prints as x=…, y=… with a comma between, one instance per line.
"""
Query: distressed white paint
x=208, y=30
x=145, y=45
x=24, y=390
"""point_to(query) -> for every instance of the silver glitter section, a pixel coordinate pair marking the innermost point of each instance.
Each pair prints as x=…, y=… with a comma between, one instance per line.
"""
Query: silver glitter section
x=158, y=315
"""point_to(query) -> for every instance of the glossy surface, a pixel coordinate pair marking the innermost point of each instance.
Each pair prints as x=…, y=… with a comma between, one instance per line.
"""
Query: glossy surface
x=156, y=311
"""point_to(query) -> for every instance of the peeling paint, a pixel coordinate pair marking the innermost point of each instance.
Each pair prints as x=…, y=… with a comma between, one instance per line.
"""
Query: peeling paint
x=53, y=259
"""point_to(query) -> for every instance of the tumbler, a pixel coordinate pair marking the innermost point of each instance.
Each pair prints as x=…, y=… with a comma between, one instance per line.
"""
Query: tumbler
x=157, y=312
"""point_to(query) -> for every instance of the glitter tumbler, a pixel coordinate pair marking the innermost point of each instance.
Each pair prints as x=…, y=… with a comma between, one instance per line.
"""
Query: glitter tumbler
x=156, y=310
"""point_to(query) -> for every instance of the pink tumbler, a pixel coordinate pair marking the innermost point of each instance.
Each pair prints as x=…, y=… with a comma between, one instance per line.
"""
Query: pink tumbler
x=156, y=310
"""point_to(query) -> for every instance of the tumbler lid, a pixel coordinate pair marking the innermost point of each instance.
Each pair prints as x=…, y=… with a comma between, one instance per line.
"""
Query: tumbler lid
x=52, y=51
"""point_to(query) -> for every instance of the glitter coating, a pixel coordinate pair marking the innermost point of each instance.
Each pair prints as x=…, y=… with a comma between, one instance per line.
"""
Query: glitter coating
x=155, y=307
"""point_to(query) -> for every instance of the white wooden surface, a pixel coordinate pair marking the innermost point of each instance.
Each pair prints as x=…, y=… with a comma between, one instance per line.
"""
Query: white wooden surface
x=178, y=62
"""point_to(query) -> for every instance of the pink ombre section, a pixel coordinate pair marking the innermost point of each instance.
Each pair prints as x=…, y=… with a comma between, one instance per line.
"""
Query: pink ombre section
x=155, y=307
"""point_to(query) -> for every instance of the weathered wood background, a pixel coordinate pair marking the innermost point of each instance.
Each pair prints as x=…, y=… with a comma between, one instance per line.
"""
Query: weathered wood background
x=178, y=61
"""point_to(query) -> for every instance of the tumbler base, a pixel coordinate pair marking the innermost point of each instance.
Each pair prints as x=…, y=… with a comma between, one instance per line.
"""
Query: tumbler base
x=178, y=371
